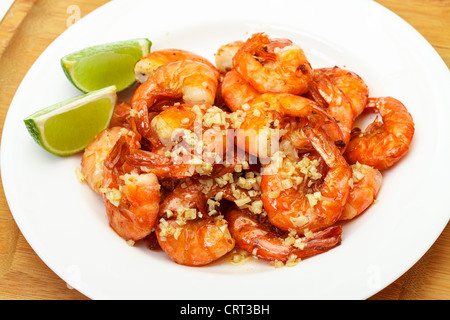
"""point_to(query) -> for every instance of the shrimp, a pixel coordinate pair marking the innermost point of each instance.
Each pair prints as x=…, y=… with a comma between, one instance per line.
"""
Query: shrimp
x=122, y=115
x=188, y=231
x=131, y=199
x=352, y=85
x=273, y=68
x=265, y=241
x=147, y=66
x=338, y=106
x=284, y=186
x=162, y=166
x=384, y=143
x=204, y=124
x=97, y=151
x=259, y=133
x=190, y=80
x=224, y=56
x=192, y=139
x=294, y=139
x=366, y=183
x=235, y=91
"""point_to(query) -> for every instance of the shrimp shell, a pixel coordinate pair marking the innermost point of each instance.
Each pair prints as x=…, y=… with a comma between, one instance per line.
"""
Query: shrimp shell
x=383, y=144
x=198, y=241
x=291, y=207
x=266, y=242
x=268, y=70
x=147, y=66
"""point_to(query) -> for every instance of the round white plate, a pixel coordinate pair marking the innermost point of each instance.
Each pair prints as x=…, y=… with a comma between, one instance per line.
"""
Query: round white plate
x=66, y=224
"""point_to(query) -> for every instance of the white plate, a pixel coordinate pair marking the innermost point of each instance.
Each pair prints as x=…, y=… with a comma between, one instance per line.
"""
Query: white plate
x=4, y=7
x=66, y=224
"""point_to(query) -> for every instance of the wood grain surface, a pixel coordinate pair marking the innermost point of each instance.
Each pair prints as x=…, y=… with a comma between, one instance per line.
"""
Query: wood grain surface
x=31, y=25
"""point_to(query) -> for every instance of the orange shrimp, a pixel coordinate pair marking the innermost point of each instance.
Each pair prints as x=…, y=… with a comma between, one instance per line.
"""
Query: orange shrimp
x=366, y=183
x=235, y=91
x=192, y=140
x=285, y=183
x=162, y=166
x=131, y=199
x=224, y=56
x=352, y=85
x=338, y=106
x=259, y=133
x=147, y=66
x=265, y=241
x=294, y=140
x=206, y=125
x=97, y=151
x=273, y=67
x=122, y=116
x=384, y=143
x=190, y=80
x=165, y=124
x=165, y=167
x=188, y=231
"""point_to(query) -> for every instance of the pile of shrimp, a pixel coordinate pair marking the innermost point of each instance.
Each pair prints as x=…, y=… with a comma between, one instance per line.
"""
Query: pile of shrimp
x=257, y=153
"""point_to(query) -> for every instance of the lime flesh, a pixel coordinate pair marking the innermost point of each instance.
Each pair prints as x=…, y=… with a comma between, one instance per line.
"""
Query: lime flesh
x=105, y=65
x=67, y=127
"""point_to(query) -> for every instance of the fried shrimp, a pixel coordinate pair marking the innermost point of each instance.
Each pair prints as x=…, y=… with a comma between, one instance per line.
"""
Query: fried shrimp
x=224, y=56
x=366, y=183
x=122, y=116
x=384, y=143
x=192, y=140
x=273, y=66
x=97, y=151
x=188, y=231
x=352, y=85
x=259, y=133
x=195, y=118
x=236, y=92
x=287, y=200
x=147, y=66
x=131, y=199
x=264, y=241
x=338, y=106
x=192, y=81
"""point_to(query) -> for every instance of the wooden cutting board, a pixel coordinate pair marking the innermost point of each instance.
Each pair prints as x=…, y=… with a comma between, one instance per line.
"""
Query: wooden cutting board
x=31, y=25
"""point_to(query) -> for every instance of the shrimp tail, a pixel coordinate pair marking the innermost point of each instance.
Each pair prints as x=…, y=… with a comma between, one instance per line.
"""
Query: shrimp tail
x=116, y=158
x=328, y=151
x=315, y=95
x=321, y=242
x=331, y=127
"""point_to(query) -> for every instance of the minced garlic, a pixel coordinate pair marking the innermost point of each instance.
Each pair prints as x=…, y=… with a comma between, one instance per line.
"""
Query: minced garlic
x=299, y=221
x=357, y=174
x=314, y=198
x=113, y=195
x=80, y=175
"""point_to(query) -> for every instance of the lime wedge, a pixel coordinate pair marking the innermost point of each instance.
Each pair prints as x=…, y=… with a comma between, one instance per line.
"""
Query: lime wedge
x=105, y=65
x=67, y=127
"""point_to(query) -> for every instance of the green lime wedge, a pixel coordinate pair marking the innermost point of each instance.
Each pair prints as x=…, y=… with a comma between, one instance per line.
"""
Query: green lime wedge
x=67, y=127
x=105, y=65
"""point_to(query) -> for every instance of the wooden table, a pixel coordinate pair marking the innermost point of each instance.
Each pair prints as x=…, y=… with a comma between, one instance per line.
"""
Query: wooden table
x=31, y=25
